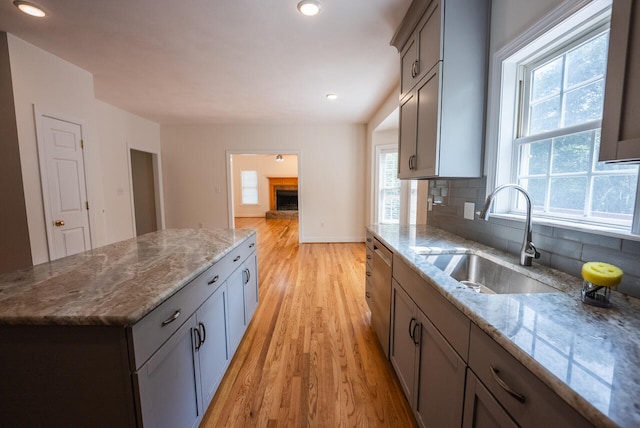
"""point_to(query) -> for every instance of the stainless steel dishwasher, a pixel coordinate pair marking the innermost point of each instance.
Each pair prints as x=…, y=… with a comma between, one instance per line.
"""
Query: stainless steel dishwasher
x=379, y=292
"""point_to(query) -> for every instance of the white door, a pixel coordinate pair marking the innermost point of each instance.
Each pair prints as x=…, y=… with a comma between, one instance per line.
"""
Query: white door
x=63, y=187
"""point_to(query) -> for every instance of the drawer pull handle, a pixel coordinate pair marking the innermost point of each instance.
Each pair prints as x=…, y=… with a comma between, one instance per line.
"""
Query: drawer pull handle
x=236, y=259
x=252, y=245
x=172, y=318
x=213, y=280
x=368, y=239
x=204, y=333
x=369, y=257
x=368, y=273
x=505, y=386
x=367, y=294
x=197, y=338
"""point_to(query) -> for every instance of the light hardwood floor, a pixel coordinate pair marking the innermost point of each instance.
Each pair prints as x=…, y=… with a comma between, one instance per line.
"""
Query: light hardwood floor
x=310, y=356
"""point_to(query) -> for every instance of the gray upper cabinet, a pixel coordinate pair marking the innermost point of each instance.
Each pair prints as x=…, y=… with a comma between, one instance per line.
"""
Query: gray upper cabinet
x=443, y=55
x=422, y=51
x=620, y=124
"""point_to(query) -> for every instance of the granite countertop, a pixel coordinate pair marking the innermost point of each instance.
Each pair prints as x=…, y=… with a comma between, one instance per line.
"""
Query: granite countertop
x=116, y=284
x=589, y=356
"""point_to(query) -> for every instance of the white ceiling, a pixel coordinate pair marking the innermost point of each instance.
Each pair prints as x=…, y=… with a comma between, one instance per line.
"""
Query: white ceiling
x=225, y=61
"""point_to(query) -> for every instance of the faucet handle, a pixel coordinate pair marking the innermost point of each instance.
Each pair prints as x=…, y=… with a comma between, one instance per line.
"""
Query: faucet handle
x=533, y=251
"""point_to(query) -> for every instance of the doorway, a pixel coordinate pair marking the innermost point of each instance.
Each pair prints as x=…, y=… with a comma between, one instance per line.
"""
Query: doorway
x=145, y=192
x=250, y=181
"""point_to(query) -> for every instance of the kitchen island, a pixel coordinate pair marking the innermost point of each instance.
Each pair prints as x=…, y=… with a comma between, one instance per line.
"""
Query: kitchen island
x=134, y=333
x=582, y=359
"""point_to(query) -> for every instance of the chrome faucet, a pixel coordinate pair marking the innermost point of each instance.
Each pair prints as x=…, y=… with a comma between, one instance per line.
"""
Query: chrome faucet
x=528, y=251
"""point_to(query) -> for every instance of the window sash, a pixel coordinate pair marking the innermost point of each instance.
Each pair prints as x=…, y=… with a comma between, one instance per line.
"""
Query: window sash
x=249, y=187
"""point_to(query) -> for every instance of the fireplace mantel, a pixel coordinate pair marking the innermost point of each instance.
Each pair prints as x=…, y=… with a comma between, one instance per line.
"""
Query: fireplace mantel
x=285, y=183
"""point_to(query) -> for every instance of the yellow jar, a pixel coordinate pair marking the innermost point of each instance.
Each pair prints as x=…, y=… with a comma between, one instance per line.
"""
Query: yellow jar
x=599, y=278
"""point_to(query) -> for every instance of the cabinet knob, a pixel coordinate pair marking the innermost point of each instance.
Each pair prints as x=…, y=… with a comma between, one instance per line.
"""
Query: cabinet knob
x=367, y=294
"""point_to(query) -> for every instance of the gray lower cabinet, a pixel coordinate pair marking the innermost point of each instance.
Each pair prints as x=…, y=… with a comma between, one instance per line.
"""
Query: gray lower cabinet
x=527, y=401
x=168, y=390
x=431, y=372
x=481, y=409
x=213, y=351
x=177, y=383
x=250, y=282
x=235, y=314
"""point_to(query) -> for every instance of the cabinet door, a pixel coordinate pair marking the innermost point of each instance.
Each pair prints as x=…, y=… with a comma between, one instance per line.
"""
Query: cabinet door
x=167, y=383
x=428, y=132
x=213, y=352
x=428, y=35
x=620, y=124
x=409, y=66
x=250, y=288
x=235, y=312
x=441, y=377
x=407, y=135
x=481, y=410
x=402, y=352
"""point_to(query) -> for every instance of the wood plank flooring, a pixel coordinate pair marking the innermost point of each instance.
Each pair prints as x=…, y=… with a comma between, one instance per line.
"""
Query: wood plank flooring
x=310, y=356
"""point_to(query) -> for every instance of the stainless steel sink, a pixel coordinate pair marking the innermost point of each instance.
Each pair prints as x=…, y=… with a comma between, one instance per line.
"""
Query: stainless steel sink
x=485, y=276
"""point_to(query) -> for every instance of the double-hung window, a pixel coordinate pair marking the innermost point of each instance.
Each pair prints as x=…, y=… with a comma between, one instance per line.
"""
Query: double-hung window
x=558, y=95
x=388, y=185
x=249, y=184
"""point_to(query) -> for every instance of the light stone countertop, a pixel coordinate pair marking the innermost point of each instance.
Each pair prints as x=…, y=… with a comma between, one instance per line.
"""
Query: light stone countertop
x=589, y=356
x=116, y=284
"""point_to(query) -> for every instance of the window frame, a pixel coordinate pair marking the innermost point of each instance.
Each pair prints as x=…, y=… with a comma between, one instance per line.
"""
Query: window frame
x=380, y=151
x=243, y=186
x=505, y=101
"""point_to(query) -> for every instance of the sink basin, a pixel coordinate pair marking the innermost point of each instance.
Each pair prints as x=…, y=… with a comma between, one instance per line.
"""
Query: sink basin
x=485, y=276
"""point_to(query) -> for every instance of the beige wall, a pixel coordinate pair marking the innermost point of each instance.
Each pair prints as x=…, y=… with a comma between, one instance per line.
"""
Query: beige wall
x=15, y=245
x=64, y=90
x=120, y=131
x=331, y=174
x=266, y=167
x=510, y=18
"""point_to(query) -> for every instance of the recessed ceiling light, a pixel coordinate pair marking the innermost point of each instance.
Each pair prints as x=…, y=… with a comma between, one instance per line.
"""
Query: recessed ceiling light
x=29, y=8
x=309, y=7
x=331, y=96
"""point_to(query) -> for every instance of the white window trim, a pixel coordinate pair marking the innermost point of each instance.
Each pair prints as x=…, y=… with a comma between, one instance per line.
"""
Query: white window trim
x=502, y=102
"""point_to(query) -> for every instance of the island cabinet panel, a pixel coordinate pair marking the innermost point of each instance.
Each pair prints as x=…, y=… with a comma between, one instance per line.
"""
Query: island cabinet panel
x=213, y=352
x=161, y=370
x=167, y=384
x=251, y=297
x=67, y=376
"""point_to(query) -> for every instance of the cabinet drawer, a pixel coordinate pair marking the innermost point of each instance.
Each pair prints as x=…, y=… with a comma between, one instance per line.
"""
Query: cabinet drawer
x=451, y=323
x=238, y=255
x=369, y=258
x=155, y=328
x=369, y=240
x=532, y=403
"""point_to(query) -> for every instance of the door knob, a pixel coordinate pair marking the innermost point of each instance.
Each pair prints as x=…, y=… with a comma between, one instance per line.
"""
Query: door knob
x=59, y=223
